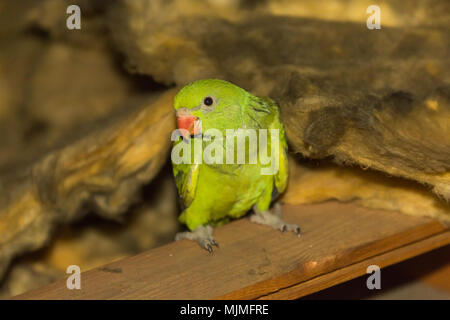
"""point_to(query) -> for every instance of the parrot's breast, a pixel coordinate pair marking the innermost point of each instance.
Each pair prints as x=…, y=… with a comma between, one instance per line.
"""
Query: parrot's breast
x=230, y=190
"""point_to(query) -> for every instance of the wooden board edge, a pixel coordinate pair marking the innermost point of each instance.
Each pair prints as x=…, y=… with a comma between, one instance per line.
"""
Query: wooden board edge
x=355, y=270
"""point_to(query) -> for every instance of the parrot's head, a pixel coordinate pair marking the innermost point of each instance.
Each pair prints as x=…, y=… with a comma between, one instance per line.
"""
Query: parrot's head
x=210, y=104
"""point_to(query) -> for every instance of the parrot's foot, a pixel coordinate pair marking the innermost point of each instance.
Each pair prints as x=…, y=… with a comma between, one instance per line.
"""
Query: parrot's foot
x=203, y=236
x=274, y=220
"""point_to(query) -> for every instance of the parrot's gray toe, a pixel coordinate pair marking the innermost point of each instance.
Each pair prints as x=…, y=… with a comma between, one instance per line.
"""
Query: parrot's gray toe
x=203, y=236
x=274, y=220
x=292, y=227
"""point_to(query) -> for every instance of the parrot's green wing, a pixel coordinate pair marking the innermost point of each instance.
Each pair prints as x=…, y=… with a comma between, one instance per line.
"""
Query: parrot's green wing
x=269, y=109
x=281, y=178
x=186, y=177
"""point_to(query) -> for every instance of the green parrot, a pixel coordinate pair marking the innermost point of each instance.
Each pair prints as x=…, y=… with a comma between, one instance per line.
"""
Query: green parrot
x=214, y=193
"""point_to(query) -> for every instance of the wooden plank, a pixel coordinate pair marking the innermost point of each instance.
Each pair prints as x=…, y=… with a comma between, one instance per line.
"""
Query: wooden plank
x=254, y=261
x=437, y=265
x=355, y=270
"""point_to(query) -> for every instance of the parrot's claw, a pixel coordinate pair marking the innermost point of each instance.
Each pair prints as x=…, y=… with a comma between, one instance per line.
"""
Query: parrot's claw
x=291, y=227
x=274, y=220
x=203, y=236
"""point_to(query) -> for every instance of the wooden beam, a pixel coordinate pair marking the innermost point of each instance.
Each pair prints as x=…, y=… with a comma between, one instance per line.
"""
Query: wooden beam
x=355, y=270
x=255, y=262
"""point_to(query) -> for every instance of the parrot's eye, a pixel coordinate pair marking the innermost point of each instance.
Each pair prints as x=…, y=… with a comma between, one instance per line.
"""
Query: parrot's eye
x=208, y=101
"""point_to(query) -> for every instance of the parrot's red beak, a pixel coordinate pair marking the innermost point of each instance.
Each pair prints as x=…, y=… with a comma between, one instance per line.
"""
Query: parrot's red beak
x=189, y=123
